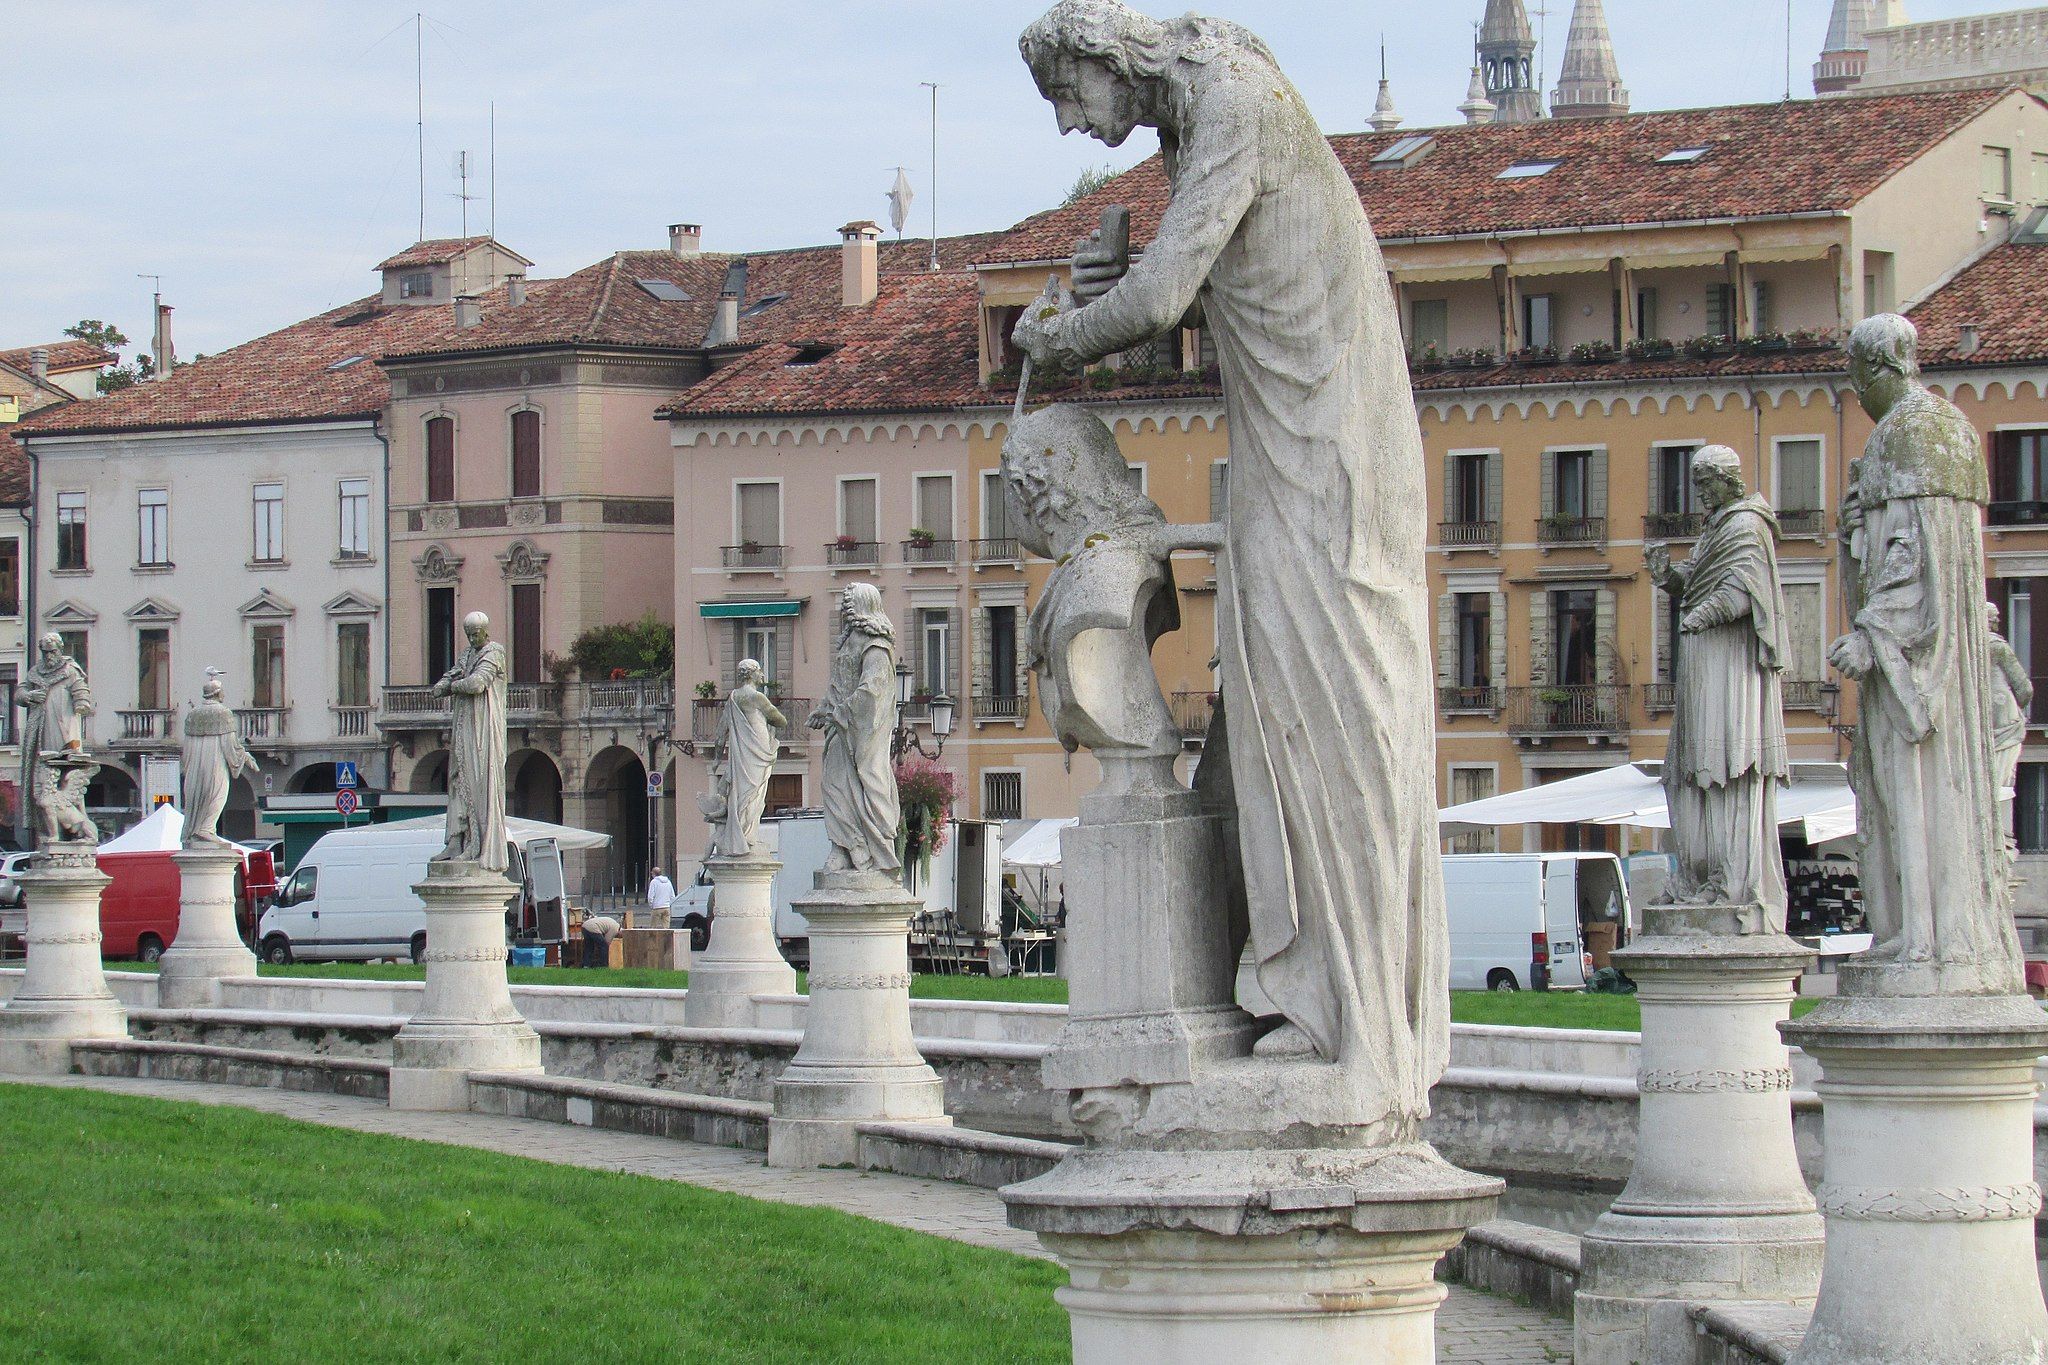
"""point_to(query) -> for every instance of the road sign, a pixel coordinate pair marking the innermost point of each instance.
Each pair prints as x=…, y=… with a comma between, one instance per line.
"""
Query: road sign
x=653, y=785
x=347, y=802
x=345, y=775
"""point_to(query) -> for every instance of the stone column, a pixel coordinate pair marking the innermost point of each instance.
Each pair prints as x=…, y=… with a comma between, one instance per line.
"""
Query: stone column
x=1715, y=1207
x=1929, y=1196
x=207, y=949
x=466, y=1020
x=741, y=961
x=63, y=993
x=857, y=1063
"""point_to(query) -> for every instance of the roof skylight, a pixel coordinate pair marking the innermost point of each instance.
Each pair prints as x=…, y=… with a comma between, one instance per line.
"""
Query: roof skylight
x=665, y=290
x=1682, y=154
x=762, y=305
x=1528, y=170
x=1405, y=151
x=347, y=361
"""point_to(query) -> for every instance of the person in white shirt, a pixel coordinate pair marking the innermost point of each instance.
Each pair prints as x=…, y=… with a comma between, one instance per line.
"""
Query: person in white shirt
x=661, y=893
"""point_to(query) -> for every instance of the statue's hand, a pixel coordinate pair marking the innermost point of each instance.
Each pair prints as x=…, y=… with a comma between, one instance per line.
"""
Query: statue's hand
x=1658, y=559
x=1037, y=333
x=1851, y=655
x=817, y=720
x=1096, y=269
x=85, y=708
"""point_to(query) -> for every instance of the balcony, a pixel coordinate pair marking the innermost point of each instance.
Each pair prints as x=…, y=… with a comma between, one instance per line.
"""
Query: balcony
x=531, y=703
x=1192, y=712
x=1660, y=696
x=931, y=551
x=263, y=724
x=2018, y=513
x=1794, y=523
x=629, y=701
x=796, y=715
x=996, y=550
x=751, y=557
x=988, y=707
x=858, y=554
x=1673, y=525
x=351, y=722
x=1804, y=694
x=146, y=729
x=1571, y=531
x=1453, y=698
x=1592, y=709
x=417, y=708
x=1468, y=535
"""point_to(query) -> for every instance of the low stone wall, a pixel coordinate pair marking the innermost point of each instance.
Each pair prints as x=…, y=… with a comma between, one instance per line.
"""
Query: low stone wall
x=1746, y=1333
x=254, y=1067
x=1535, y=1265
x=628, y=1109
x=962, y=1155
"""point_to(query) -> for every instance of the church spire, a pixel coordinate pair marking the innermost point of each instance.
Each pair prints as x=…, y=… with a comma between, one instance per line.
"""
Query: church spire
x=1507, y=50
x=1589, y=83
x=1847, y=49
x=1384, y=119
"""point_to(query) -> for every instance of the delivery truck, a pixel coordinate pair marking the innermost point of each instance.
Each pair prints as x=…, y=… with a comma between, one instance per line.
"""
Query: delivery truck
x=1532, y=921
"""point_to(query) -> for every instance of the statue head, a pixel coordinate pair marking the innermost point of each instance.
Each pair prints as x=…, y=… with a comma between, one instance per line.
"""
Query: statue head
x=477, y=627
x=1070, y=480
x=750, y=673
x=860, y=608
x=1884, y=357
x=1099, y=63
x=211, y=689
x=1716, y=477
x=1992, y=617
x=52, y=646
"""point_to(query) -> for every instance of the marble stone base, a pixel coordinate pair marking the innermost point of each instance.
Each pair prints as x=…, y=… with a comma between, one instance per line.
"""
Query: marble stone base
x=466, y=1020
x=857, y=1063
x=1715, y=1208
x=63, y=994
x=207, y=950
x=741, y=961
x=1929, y=1193
x=1227, y=1258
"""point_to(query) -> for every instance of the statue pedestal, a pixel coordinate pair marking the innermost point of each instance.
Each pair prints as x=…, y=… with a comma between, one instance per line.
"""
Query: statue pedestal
x=1929, y=1197
x=1715, y=1207
x=63, y=993
x=207, y=949
x=466, y=1020
x=857, y=1063
x=741, y=961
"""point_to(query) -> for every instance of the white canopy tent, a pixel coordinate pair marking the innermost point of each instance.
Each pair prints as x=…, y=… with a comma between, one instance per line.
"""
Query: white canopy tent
x=161, y=831
x=1817, y=801
x=1038, y=846
x=520, y=832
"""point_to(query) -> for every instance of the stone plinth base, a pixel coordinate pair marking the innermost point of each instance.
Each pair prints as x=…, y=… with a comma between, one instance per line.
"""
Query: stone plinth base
x=1929, y=1195
x=63, y=994
x=741, y=961
x=466, y=1020
x=207, y=950
x=857, y=1063
x=1715, y=1207
x=1228, y=1258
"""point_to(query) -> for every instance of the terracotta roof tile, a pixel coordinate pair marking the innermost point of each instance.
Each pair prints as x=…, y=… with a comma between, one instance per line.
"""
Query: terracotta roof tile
x=1811, y=156
x=440, y=250
x=13, y=470
x=69, y=354
x=2005, y=293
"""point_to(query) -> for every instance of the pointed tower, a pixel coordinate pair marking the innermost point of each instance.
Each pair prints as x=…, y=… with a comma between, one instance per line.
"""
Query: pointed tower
x=1507, y=50
x=1847, y=48
x=1589, y=83
x=1477, y=108
x=1384, y=119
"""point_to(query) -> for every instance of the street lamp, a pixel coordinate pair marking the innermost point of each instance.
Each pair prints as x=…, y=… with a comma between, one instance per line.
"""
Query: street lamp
x=906, y=739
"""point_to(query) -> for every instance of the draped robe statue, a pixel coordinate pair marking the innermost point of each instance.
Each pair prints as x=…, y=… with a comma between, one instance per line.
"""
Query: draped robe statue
x=1322, y=618
x=747, y=737
x=213, y=757
x=1924, y=763
x=55, y=697
x=858, y=716
x=1726, y=754
x=476, y=750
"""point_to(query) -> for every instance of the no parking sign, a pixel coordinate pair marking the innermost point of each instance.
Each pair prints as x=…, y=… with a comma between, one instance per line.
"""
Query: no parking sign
x=347, y=802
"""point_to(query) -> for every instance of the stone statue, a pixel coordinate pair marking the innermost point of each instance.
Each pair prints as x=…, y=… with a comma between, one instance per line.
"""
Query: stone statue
x=1726, y=753
x=1322, y=609
x=61, y=779
x=2014, y=698
x=746, y=736
x=1925, y=759
x=213, y=758
x=1112, y=595
x=476, y=750
x=858, y=716
x=55, y=698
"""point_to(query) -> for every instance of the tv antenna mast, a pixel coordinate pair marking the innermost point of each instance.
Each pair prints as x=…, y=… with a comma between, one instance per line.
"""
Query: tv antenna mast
x=933, y=188
x=419, y=107
x=462, y=178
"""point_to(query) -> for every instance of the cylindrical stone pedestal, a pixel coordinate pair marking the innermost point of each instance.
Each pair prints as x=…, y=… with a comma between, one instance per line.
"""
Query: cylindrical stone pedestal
x=1715, y=1207
x=207, y=949
x=741, y=961
x=466, y=1020
x=1929, y=1196
x=63, y=994
x=857, y=1063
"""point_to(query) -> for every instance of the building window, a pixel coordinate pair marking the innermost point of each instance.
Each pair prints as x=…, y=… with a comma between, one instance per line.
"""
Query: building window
x=267, y=500
x=1720, y=310
x=153, y=670
x=526, y=454
x=1001, y=323
x=419, y=285
x=1475, y=639
x=266, y=671
x=1879, y=291
x=10, y=678
x=1646, y=314
x=71, y=530
x=1674, y=479
x=1671, y=604
x=1574, y=484
x=352, y=663
x=1468, y=489
x=440, y=632
x=758, y=512
x=10, y=577
x=74, y=646
x=1473, y=784
x=995, y=507
x=935, y=650
x=1996, y=163
x=526, y=633
x=153, y=527
x=1762, y=316
x=1574, y=620
x=934, y=507
x=1805, y=633
x=758, y=642
x=1219, y=490
x=2019, y=477
x=1429, y=326
x=1002, y=795
x=1002, y=652
x=857, y=510
x=2030, y=808
x=440, y=459
x=1536, y=326
x=1799, y=476
x=355, y=519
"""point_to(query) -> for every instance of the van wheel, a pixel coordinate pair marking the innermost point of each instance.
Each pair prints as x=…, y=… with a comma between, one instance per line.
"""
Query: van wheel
x=149, y=948
x=419, y=947
x=1502, y=980
x=277, y=950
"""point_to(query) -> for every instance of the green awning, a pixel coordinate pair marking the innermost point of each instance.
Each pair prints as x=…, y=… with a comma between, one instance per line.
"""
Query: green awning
x=728, y=610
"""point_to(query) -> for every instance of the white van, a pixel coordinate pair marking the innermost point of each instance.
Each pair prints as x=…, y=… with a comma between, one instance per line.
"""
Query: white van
x=1518, y=920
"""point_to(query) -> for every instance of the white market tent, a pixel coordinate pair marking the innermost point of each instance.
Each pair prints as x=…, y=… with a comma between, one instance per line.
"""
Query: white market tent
x=1817, y=801
x=162, y=831
x=520, y=832
x=1038, y=846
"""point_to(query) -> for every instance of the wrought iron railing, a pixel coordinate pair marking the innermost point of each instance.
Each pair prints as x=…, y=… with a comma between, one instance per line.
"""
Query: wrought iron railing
x=861, y=554
x=1451, y=697
x=1802, y=521
x=1575, y=709
x=1468, y=535
x=996, y=550
x=2023, y=513
x=1673, y=525
x=752, y=556
x=931, y=551
x=1192, y=712
x=1571, y=530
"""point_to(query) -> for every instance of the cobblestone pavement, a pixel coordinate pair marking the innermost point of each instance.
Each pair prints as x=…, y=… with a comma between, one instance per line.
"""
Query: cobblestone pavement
x=1472, y=1328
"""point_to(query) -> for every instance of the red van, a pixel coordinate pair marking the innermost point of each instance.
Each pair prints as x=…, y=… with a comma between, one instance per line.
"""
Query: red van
x=139, y=908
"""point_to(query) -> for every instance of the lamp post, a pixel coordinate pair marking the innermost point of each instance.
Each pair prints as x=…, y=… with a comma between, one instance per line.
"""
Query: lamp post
x=905, y=739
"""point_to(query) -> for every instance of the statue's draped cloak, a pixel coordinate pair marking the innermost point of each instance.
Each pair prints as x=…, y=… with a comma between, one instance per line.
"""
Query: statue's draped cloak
x=1726, y=754
x=1322, y=615
x=53, y=724
x=476, y=759
x=750, y=748
x=213, y=757
x=861, y=806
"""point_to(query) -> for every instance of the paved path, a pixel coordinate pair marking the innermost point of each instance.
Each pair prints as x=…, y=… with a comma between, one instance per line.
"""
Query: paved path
x=1472, y=1328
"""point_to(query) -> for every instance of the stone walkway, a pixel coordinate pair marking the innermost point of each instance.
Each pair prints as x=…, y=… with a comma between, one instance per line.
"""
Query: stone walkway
x=1472, y=1328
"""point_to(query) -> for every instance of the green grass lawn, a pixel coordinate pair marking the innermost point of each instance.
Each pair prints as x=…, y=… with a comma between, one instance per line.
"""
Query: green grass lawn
x=1560, y=1009
x=149, y=1229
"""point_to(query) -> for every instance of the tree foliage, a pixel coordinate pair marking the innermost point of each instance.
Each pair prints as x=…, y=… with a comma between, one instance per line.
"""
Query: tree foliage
x=108, y=337
x=1089, y=181
x=645, y=648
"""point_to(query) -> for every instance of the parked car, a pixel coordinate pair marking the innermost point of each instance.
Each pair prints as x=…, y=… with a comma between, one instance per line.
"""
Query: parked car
x=1521, y=921
x=12, y=865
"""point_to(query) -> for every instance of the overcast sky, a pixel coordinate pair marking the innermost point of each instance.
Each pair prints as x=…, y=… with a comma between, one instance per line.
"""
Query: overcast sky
x=259, y=154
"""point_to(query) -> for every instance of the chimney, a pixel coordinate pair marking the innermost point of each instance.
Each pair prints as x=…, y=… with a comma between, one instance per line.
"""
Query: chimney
x=725, y=323
x=859, y=264
x=166, y=357
x=1968, y=342
x=685, y=239
x=469, y=311
x=515, y=290
x=39, y=363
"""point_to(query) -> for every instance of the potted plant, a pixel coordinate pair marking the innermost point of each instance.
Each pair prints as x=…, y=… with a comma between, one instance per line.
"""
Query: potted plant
x=1593, y=352
x=706, y=691
x=845, y=543
x=1651, y=348
x=922, y=538
x=1005, y=376
x=1536, y=355
x=1708, y=347
x=1103, y=377
x=1429, y=358
x=559, y=667
x=1765, y=342
x=750, y=547
x=1811, y=339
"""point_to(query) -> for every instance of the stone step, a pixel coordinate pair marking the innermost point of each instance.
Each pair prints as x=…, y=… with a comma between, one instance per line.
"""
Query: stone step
x=708, y=1119
x=964, y=1156
x=363, y=1078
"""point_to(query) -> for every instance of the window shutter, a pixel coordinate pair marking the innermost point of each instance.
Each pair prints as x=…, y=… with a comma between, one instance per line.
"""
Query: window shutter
x=995, y=507
x=1446, y=640
x=526, y=454
x=730, y=642
x=2037, y=665
x=1448, y=511
x=1799, y=476
x=1596, y=492
x=1660, y=607
x=1493, y=499
x=440, y=459
x=1542, y=667
x=1803, y=630
x=1548, y=474
x=1497, y=639
x=760, y=513
x=1656, y=502
x=1219, y=489
x=1607, y=654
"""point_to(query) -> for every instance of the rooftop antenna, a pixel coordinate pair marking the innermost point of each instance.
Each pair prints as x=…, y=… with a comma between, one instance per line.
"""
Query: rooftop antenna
x=462, y=177
x=933, y=189
x=156, y=309
x=419, y=107
x=494, y=171
x=1788, y=51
